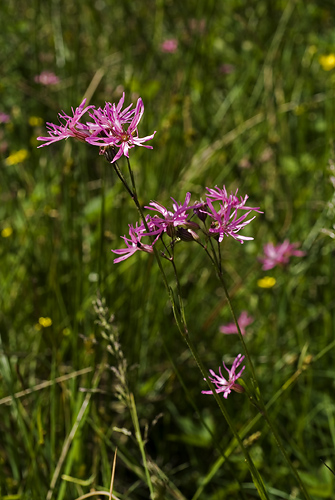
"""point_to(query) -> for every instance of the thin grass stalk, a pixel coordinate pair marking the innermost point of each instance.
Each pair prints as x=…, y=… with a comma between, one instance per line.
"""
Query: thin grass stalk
x=139, y=440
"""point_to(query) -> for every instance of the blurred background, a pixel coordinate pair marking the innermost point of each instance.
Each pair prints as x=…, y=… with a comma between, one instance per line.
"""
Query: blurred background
x=241, y=94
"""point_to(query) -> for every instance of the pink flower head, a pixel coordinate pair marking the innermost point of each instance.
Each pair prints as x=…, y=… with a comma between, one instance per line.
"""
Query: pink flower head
x=170, y=45
x=232, y=200
x=134, y=242
x=46, y=78
x=4, y=118
x=70, y=127
x=280, y=254
x=226, y=69
x=243, y=321
x=110, y=130
x=114, y=130
x=226, y=386
x=226, y=223
x=172, y=219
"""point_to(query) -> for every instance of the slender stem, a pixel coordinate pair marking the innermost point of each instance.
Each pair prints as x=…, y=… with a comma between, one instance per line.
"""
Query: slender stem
x=261, y=406
x=250, y=363
x=253, y=470
x=282, y=449
x=139, y=439
x=102, y=226
x=182, y=327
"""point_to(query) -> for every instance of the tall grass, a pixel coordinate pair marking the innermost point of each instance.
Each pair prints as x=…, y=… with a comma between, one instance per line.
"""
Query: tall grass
x=91, y=359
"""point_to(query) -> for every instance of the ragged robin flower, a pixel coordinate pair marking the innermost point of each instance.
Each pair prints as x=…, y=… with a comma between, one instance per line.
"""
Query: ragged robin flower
x=279, y=254
x=70, y=126
x=226, y=222
x=134, y=243
x=112, y=129
x=224, y=385
x=179, y=216
x=243, y=321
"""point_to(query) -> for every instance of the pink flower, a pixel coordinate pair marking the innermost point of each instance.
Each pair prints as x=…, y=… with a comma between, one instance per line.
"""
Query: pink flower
x=226, y=69
x=226, y=386
x=172, y=219
x=244, y=320
x=134, y=242
x=197, y=25
x=225, y=218
x=70, y=127
x=4, y=118
x=46, y=78
x=110, y=128
x=232, y=200
x=170, y=45
x=114, y=130
x=226, y=223
x=280, y=254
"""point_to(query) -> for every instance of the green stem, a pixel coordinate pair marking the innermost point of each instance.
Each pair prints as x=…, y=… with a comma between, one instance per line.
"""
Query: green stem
x=139, y=440
x=260, y=403
x=182, y=327
x=102, y=227
x=257, y=479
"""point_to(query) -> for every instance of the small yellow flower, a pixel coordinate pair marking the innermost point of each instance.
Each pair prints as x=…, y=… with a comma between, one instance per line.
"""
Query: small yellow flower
x=327, y=62
x=266, y=282
x=45, y=322
x=66, y=332
x=35, y=121
x=17, y=157
x=6, y=232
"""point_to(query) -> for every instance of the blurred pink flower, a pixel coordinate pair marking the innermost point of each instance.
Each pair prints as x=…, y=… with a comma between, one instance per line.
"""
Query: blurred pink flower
x=226, y=386
x=4, y=118
x=243, y=321
x=170, y=45
x=226, y=69
x=280, y=254
x=46, y=78
x=197, y=25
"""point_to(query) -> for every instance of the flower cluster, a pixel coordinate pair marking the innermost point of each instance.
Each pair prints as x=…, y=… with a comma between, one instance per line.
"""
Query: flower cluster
x=177, y=222
x=111, y=129
x=280, y=254
x=226, y=386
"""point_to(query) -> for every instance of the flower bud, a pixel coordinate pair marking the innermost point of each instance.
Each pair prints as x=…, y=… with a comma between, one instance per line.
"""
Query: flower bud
x=238, y=388
x=186, y=234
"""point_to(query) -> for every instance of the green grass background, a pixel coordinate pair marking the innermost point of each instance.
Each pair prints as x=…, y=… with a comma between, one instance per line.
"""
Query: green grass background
x=266, y=128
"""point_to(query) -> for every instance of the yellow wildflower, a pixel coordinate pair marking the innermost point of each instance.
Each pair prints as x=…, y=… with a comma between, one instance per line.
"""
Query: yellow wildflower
x=17, y=157
x=327, y=62
x=45, y=322
x=6, y=232
x=35, y=121
x=266, y=282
